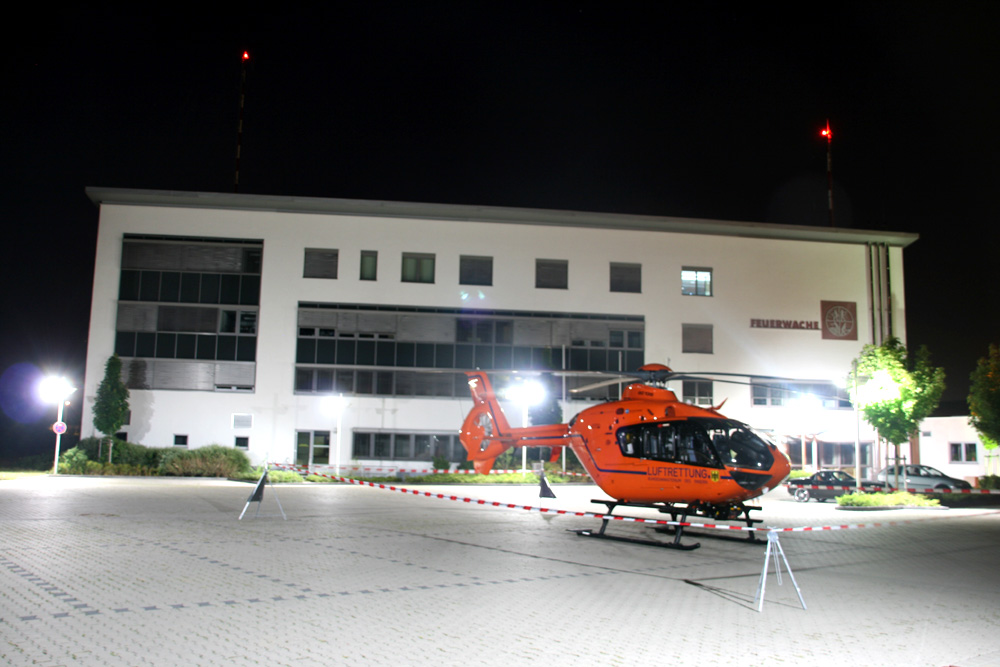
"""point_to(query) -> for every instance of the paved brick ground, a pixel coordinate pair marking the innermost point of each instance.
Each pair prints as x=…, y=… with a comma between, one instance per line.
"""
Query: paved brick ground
x=124, y=571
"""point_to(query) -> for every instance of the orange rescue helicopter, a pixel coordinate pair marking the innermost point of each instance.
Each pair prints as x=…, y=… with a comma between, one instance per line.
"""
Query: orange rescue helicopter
x=647, y=449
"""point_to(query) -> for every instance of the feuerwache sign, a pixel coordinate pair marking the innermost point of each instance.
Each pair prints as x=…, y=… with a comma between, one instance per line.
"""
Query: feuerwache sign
x=838, y=321
x=784, y=324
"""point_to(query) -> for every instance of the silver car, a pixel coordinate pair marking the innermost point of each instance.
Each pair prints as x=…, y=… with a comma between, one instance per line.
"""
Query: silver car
x=921, y=477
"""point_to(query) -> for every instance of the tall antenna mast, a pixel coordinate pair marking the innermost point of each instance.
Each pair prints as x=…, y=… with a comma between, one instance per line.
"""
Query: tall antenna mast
x=239, y=125
x=826, y=132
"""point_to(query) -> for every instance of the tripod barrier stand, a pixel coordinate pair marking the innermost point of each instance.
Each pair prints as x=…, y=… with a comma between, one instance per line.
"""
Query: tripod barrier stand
x=774, y=545
x=257, y=496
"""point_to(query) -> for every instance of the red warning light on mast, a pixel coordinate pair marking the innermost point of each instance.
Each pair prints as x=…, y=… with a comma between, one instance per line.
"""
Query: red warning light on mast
x=826, y=132
x=246, y=55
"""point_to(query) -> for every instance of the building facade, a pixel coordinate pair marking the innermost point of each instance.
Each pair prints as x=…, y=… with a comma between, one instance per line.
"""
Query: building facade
x=239, y=318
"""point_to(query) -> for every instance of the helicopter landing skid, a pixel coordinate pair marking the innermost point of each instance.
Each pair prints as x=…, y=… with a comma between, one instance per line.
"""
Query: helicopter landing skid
x=612, y=504
x=730, y=512
x=681, y=513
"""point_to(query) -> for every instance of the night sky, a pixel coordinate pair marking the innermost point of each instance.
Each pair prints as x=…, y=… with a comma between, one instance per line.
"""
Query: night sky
x=694, y=109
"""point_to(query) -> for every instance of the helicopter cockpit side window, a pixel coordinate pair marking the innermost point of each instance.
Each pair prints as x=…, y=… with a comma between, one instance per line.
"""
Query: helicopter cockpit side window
x=676, y=442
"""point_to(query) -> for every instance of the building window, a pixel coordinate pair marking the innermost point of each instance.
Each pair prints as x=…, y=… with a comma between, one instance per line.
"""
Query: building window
x=697, y=392
x=776, y=394
x=369, y=264
x=242, y=442
x=312, y=448
x=626, y=277
x=552, y=273
x=320, y=263
x=242, y=420
x=403, y=446
x=696, y=338
x=475, y=270
x=963, y=452
x=696, y=281
x=193, y=300
x=418, y=268
x=180, y=441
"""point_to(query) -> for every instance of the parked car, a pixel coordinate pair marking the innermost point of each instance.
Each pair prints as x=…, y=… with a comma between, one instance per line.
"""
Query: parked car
x=921, y=477
x=833, y=483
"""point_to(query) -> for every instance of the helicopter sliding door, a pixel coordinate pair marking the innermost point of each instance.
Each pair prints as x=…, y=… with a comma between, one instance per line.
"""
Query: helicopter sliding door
x=684, y=442
x=696, y=441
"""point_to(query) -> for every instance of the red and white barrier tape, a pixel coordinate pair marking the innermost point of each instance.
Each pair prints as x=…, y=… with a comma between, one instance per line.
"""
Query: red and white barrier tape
x=596, y=515
x=442, y=471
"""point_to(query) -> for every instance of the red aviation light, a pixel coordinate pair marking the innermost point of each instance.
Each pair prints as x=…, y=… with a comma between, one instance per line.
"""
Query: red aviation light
x=246, y=56
x=826, y=132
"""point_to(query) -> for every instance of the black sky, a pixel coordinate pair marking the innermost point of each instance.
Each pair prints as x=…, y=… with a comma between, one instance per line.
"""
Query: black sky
x=698, y=109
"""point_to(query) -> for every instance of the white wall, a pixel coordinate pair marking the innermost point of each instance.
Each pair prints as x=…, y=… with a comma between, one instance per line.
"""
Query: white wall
x=752, y=278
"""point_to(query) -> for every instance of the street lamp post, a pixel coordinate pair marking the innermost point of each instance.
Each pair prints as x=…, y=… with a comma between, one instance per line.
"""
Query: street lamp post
x=336, y=406
x=56, y=390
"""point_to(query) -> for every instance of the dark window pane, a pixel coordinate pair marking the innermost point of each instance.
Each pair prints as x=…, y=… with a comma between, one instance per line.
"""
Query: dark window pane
x=598, y=360
x=365, y=382
x=366, y=353
x=425, y=355
x=326, y=351
x=128, y=287
x=464, y=356
x=344, y=382
x=227, y=321
x=206, y=347
x=303, y=379
x=209, y=288
x=185, y=346
x=170, y=286
x=444, y=356
x=522, y=358
x=125, y=344
x=383, y=383
x=345, y=351
x=324, y=380
x=165, y=343
x=229, y=288
x=406, y=354
x=226, y=350
x=190, y=287
x=503, y=356
x=249, y=290
x=305, y=351
x=246, y=348
x=385, y=353
x=149, y=287
x=145, y=344
x=484, y=356
x=362, y=448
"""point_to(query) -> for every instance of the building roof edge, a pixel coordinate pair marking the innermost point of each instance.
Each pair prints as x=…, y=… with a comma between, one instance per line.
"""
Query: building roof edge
x=496, y=214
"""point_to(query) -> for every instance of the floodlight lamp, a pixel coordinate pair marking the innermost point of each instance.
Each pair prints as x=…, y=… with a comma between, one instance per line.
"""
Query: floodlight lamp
x=334, y=405
x=55, y=389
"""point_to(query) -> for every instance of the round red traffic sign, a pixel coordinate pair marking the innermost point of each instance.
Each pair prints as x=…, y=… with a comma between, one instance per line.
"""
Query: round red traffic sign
x=59, y=427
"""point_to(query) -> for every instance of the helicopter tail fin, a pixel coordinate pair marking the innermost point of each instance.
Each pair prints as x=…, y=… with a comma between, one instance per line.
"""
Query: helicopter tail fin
x=486, y=434
x=485, y=431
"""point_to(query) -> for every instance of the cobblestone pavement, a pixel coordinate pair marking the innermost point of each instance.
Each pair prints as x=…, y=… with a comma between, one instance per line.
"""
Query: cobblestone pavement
x=120, y=571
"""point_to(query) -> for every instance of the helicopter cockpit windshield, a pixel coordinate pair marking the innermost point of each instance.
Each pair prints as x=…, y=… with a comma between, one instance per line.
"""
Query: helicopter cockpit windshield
x=697, y=441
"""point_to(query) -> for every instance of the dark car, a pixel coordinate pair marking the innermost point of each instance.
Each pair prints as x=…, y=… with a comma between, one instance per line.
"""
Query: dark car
x=830, y=483
x=917, y=476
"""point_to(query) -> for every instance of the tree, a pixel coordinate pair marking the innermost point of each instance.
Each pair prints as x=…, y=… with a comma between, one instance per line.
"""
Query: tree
x=111, y=403
x=896, y=391
x=984, y=398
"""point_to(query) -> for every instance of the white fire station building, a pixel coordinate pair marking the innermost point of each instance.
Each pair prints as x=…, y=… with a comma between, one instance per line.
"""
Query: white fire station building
x=335, y=332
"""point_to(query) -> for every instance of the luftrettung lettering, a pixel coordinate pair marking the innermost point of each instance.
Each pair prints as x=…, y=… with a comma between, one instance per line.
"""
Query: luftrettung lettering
x=784, y=324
